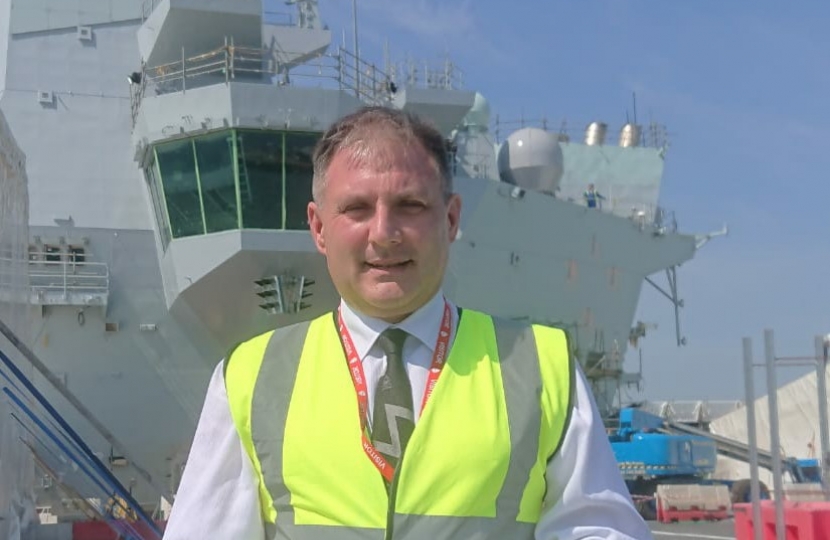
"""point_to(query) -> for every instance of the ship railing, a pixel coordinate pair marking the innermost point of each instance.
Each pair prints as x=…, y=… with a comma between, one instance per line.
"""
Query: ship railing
x=644, y=215
x=652, y=135
x=365, y=80
x=446, y=76
x=13, y=279
x=137, y=92
x=67, y=281
x=279, y=18
x=341, y=70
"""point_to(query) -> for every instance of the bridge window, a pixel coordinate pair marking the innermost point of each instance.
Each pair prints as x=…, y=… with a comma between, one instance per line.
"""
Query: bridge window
x=52, y=253
x=256, y=179
x=77, y=254
x=260, y=178
x=177, y=165
x=298, y=176
x=159, y=211
x=215, y=173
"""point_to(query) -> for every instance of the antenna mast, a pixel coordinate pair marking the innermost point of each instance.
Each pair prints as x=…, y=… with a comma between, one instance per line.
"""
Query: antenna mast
x=356, y=53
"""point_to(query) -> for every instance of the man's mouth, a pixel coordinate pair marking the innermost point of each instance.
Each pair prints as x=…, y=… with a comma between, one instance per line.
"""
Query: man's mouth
x=388, y=265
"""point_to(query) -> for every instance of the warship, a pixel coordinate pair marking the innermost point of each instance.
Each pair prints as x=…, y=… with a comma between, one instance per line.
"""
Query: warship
x=168, y=154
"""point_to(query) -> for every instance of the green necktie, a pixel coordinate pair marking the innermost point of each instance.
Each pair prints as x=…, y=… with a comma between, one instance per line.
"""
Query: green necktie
x=393, y=419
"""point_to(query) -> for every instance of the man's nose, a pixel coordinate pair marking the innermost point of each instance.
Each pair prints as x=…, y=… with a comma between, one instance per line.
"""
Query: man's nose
x=385, y=227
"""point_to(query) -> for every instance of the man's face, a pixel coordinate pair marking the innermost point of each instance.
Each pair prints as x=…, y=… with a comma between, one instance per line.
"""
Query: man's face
x=385, y=230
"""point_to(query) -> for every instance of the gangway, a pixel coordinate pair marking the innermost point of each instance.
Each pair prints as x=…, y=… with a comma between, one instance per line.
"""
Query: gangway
x=62, y=454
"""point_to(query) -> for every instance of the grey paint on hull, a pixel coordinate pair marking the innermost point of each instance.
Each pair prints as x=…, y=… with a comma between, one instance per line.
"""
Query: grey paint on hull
x=78, y=144
x=29, y=16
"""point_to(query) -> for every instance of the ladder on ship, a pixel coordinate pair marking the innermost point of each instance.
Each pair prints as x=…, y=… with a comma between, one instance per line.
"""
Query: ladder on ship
x=242, y=169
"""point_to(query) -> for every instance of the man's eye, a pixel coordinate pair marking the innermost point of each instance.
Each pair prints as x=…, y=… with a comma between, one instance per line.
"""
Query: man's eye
x=356, y=207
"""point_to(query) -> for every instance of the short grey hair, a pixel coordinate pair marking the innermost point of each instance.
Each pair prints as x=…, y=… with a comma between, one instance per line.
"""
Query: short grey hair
x=360, y=133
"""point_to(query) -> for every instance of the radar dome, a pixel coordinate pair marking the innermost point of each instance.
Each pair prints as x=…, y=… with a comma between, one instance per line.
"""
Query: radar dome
x=479, y=113
x=531, y=158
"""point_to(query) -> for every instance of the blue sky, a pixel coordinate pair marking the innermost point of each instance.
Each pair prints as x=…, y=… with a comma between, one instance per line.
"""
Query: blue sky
x=744, y=88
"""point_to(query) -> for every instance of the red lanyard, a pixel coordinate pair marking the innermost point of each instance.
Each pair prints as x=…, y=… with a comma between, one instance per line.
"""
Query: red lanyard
x=359, y=379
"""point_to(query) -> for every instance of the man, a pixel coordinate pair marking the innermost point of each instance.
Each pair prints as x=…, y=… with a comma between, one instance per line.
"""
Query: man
x=399, y=415
x=592, y=197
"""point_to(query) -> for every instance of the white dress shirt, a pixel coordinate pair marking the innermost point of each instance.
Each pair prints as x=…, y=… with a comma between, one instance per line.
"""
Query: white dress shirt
x=218, y=497
x=422, y=327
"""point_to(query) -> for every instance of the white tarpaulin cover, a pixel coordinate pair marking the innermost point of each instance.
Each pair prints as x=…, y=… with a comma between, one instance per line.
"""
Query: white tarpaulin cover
x=797, y=422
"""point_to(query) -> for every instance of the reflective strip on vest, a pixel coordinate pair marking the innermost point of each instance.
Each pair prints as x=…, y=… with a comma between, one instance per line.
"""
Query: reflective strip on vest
x=474, y=468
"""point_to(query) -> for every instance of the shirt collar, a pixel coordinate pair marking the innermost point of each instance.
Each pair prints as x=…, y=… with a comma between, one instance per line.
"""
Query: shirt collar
x=424, y=324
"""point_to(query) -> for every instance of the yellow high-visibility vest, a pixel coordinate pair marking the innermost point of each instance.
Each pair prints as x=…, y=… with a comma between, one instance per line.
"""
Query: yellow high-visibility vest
x=474, y=467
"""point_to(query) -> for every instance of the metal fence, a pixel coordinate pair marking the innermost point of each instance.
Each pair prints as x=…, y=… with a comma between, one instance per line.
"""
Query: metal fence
x=60, y=279
x=229, y=63
x=341, y=70
x=644, y=215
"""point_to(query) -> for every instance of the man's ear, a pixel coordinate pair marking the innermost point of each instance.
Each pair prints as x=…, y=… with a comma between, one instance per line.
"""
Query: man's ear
x=315, y=224
x=453, y=215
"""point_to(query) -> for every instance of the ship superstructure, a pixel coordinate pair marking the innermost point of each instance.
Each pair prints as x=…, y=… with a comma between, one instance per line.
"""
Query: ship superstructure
x=169, y=160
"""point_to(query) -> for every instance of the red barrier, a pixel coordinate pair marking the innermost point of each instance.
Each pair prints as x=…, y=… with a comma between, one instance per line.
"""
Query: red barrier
x=692, y=503
x=673, y=514
x=743, y=521
x=802, y=520
x=100, y=530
